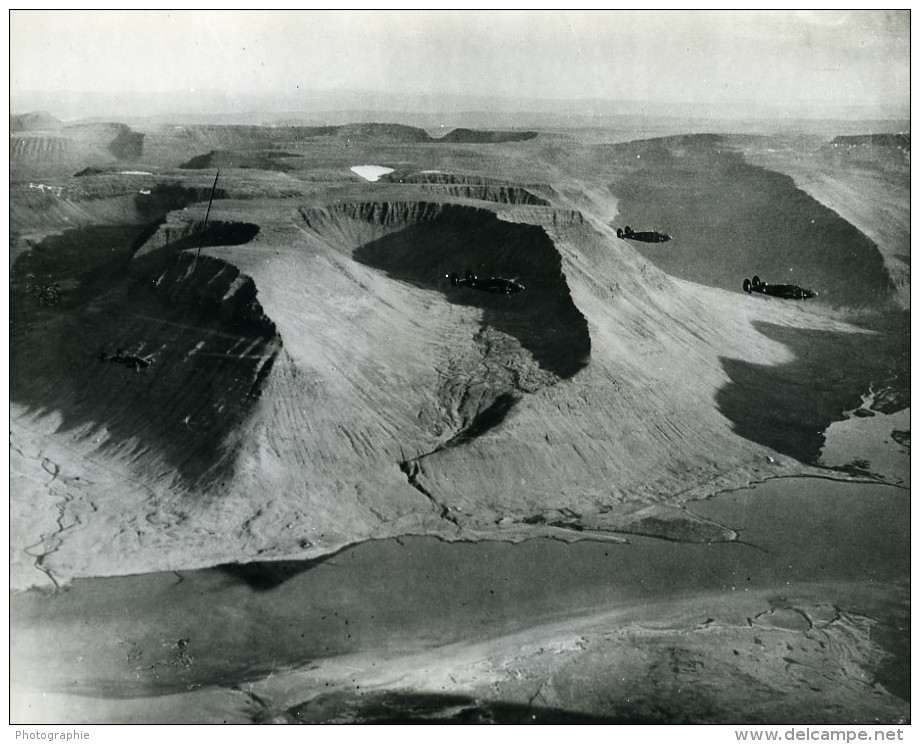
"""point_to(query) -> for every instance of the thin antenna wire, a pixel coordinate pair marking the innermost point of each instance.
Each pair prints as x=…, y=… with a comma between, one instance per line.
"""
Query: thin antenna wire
x=205, y=226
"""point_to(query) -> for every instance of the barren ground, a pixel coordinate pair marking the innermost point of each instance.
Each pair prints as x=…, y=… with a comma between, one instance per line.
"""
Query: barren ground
x=313, y=381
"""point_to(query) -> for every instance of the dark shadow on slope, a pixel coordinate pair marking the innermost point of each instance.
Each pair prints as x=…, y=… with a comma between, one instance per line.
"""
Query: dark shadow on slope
x=788, y=407
x=87, y=260
x=215, y=233
x=894, y=672
x=218, y=233
x=153, y=257
x=731, y=220
x=542, y=318
x=127, y=145
x=75, y=255
x=485, y=136
x=485, y=420
x=165, y=197
x=259, y=159
x=203, y=330
x=263, y=576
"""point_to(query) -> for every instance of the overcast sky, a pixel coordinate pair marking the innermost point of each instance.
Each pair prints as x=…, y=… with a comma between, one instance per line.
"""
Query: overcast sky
x=819, y=57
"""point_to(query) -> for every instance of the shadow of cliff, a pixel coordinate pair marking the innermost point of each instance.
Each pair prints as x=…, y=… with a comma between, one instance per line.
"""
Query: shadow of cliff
x=198, y=324
x=542, y=318
x=732, y=220
x=788, y=407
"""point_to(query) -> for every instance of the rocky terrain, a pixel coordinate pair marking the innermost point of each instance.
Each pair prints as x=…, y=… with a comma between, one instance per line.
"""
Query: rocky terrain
x=287, y=372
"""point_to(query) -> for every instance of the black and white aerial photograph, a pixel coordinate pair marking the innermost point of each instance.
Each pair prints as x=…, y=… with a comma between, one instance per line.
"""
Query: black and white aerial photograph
x=460, y=367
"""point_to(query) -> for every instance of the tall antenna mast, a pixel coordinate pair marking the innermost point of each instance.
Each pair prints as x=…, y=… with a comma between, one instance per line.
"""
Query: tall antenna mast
x=205, y=226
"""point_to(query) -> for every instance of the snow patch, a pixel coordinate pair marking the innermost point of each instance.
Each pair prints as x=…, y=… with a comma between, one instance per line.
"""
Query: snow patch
x=371, y=172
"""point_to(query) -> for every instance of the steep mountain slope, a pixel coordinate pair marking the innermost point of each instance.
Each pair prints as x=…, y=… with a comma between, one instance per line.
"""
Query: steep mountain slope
x=315, y=380
x=721, y=212
x=865, y=180
x=41, y=147
x=308, y=376
x=268, y=386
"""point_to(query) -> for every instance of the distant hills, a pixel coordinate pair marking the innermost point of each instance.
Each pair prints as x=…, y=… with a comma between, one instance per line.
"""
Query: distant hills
x=437, y=111
x=474, y=136
x=40, y=143
x=34, y=121
x=403, y=133
x=379, y=132
x=235, y=136
x=900, y=140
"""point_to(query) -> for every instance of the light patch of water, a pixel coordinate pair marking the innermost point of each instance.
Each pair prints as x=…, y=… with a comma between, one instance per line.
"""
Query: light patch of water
x=135, y=173
x=865, y=441
x=371, y=172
